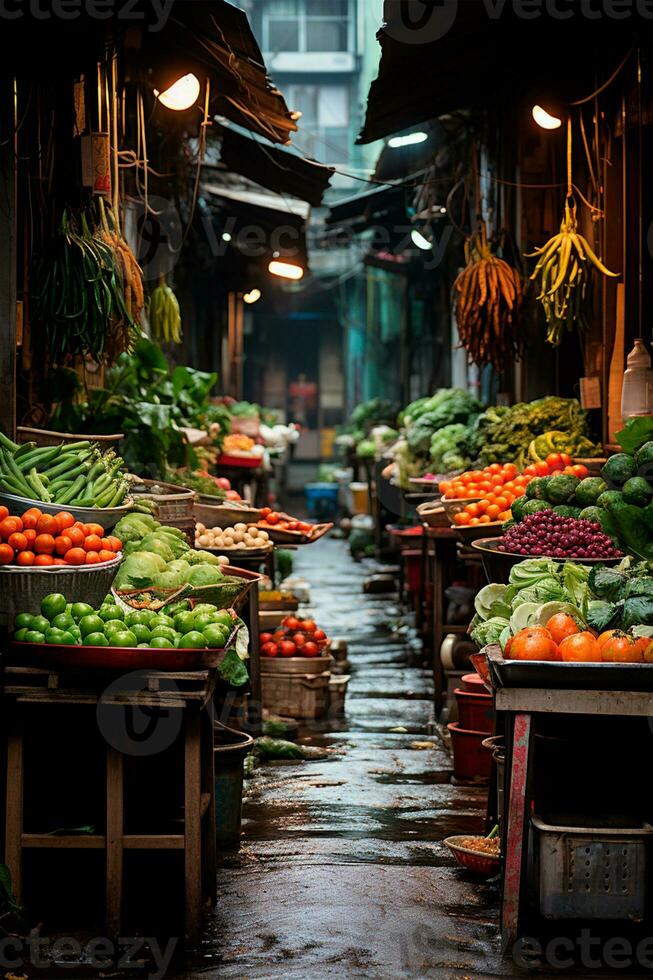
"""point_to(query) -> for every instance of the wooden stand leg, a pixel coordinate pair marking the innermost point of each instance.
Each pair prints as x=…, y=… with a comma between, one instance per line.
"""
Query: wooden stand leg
x=193, y=829
x=438, y=623
x=14, y=810
x=514, y=833
x=209, y=862
x=114, y=853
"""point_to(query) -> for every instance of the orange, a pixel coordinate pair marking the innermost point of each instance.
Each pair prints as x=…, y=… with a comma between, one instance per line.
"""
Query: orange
x=561, y=626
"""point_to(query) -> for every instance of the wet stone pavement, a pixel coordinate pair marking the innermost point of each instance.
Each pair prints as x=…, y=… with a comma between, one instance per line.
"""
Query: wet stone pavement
x=341, y=872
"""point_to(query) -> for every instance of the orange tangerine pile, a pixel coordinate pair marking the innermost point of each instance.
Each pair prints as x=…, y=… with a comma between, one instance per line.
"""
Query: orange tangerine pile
x=496, y=485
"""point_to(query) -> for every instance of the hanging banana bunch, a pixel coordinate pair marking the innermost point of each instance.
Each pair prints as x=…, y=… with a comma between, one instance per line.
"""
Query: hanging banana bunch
x=563, y=269
x=488, y=297
x=164, y=315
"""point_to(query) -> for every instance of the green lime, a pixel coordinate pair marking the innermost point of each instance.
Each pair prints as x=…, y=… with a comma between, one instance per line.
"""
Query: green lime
x=202, y=619
x=215, y=635
x=34, y=636
x=138, y=617
x=53, y=604
x=161, y=619
x=91, y=624
x=194, y=640
x=205, y=607
x=124, y=638
x=110, y=612
x=60, y=637
x=184, y=622
x=224, y=617
x=161, y=643
x=109, y=600
x=81, y=609
x=23, y=621
x=76, y=632
x=20, y=634
x=114, y=626
x=182, y=606
x=96, y=640
x=166, y=631
x=40, y=624
x=141, y=632
x=63, y=621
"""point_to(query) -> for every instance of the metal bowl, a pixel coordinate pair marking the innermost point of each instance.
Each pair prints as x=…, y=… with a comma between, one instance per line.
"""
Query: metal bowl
x=497, y=564
x=108, y=517
x=470, y=534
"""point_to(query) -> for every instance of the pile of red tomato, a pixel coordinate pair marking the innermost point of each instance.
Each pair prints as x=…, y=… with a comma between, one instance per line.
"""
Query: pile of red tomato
x=563, y=639
x=294, y=638
x=44, y=540
x=282, y=522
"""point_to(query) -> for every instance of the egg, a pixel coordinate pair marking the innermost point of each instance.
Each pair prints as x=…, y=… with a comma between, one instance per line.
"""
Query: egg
x=240, y=527
x=240, y=535
x=200, y=528
x=204, y=541
x=263, y=535
x=223, y=560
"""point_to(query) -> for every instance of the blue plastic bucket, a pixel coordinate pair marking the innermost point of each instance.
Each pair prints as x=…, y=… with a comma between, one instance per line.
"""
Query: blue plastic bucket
x=322, y=500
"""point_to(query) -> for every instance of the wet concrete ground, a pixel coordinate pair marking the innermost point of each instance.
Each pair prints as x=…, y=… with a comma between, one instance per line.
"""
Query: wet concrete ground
x=341, y=871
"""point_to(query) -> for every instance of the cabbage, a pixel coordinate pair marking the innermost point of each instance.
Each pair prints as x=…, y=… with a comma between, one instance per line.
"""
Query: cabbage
x=179, y=565
x=486, y=598
x=169, y=580
x=201, y=558
x=157, y=546
x=205, y=575
x=489, y=631
x=550, y=609
x=524, y=615
x=139, y=570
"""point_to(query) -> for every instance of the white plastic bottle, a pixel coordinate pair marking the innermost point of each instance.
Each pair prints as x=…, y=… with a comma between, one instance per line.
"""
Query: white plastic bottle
x=637, y=391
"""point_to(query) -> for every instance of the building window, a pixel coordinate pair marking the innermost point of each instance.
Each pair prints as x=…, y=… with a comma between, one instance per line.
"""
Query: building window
x=306, y=25
x=324, y=129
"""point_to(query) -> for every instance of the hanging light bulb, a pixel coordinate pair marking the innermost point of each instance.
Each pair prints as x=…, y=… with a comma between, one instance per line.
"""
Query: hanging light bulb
x=182, y=94
x=285, y=270
x=421, y=240
x=253, y=296
x=412, y=139
x=544, y=119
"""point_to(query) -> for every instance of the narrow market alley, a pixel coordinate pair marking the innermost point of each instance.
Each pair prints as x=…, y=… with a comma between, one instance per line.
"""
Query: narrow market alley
x=341, y=870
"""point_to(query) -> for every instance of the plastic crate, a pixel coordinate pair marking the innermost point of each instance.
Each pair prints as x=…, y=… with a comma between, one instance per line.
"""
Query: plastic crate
x=322, y=500
x=592, y=872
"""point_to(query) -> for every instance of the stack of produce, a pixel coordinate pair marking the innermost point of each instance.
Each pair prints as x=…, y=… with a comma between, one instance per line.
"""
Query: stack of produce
x=294, y=638
x=436, y=428
x=236, y=538
x=375, y=414
x=495, y=488
x=283, y=522
x=598, y=599
x=529, y=432
x=159, y=557
x=47, y=540
x=74, y=473
x=237, y=443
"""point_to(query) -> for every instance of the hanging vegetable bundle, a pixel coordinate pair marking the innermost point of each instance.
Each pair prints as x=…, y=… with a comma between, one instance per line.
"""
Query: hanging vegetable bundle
x=164, y=315
x=488, y=299
x=563, y=269
x=77, y=294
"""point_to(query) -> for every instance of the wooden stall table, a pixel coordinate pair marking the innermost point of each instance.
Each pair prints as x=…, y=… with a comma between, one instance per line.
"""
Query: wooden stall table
x=32, y=692
x=519, y=710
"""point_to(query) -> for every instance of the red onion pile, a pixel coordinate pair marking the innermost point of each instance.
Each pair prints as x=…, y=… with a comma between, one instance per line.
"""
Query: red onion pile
x=550, y=535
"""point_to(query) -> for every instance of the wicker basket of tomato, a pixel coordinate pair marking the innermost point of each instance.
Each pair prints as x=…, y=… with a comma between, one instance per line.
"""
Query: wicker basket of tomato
x=296, y=640
x=43, y=553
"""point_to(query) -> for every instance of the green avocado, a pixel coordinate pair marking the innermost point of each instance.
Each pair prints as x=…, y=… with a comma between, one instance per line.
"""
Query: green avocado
x=561, y=489
x=589, y=490
x=618, y=469
x=637, y=491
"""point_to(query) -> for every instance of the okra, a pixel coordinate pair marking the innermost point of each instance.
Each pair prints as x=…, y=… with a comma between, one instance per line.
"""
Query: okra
x=74, y=465
x=74, y=447
x=7, y=444
x=37, y=486
x=14, y=473
x=39, y=457
x=73, y=491
x=24, y=448
x=105, y=498
x=119, y=496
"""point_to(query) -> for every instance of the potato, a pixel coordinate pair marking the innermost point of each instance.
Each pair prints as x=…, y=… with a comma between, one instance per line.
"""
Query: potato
x=204, y=541
x=200, y=529
x=240, y=535
x=263, y=535
x=240, y=527
x=223, y=560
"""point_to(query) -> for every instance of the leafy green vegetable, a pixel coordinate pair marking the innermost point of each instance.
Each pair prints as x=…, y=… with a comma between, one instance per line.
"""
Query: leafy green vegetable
x=602, y=615
x=205, y=575
x=232, y=670
x=637, y=432
x=637, y=611
x=139, y=571
x=608, y=583
x=488, y=597
x=201, y=558
x=446, y=448
x=489, y=631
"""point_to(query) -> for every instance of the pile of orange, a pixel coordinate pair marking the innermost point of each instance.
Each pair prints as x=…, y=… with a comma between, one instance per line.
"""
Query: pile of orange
x=496, y=485
x=44, y=540
x=563, y=639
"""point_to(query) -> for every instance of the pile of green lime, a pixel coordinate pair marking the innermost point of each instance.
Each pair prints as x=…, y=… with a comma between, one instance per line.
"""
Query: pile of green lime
x=77, y=623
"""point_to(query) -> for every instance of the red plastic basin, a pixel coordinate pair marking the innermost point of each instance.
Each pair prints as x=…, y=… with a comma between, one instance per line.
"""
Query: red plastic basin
x=475, y=711
x=470, y=759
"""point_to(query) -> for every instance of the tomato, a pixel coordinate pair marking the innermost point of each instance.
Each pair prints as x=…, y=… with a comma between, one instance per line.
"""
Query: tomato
x=287, y=648
x=554, y=461
x=510, y=469
x=622, y=649
x=62, y=544
x=580, y=471
x=503, y=502
x=44, y=560
x=474, y=521
x=76, y=556
x=10, y=526
x=319, y=636
x=44, y=544
x=472, y=510
x=445, y=486
x=265, y=638
x=498, y=480
x=533, y=644
x=519, y=491
x=4, y=512
x=493, y=512
x=647, y=651
x=561, y=626
x=541, y=469
x=106, y=544
x=92, y=543
x=25, y=558
x=76, y=535
x=308, y=626
x=265, y=512
x=484, y=519
x=278, y=636
x=30, y=534
x=461, y=519
x=299, y=639
x=30, y=516
x=65, y=519
x=17, y=541
x=310, y=649
x=566, y=459
x=114, y=543
x=48, y=524
x=57, y=561
x=270, y=649
x=580, y=647
x=494, y=468
x=291, y=622
x=272, y=518
x=6, y=554
x=530, y=471
x=609, y=635
x=92, y=558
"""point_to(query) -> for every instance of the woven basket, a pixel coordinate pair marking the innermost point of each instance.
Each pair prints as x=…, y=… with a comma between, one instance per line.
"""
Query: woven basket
x=46, y=437
x=177, y=505
x=22, y=589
